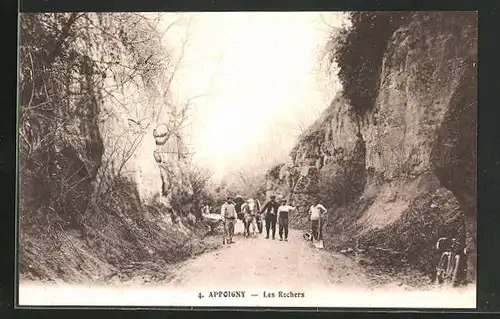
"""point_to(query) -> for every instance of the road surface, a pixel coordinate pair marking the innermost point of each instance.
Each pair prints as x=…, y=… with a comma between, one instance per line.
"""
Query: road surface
x=257, y=267
x=259, y=262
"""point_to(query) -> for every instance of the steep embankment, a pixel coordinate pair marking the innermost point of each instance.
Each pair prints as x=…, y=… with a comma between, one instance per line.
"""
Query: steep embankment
x=121, y=239
x=75, y=235
x=72, y=229
x=396, y=166
x=106, y=234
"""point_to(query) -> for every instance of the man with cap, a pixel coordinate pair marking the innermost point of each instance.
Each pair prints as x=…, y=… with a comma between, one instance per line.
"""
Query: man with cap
x=228, y=213
x=271, y=211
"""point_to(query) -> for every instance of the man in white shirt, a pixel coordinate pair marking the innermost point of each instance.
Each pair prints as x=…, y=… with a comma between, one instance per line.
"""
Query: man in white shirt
x=283, y=212
x=318, y=217
x=228, y=214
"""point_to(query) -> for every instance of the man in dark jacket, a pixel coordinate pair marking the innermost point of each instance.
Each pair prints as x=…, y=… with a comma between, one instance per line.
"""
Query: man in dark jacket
x=238, y=202
x=271, y=210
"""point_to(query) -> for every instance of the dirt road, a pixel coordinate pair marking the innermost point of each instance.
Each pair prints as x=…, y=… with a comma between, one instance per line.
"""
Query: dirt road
x=259, y=268
x=260, y=262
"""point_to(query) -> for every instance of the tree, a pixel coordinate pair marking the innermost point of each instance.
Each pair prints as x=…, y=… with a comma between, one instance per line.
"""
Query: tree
x=147, y=107
x=200, y=179
x=172, y=153
x=71, y=66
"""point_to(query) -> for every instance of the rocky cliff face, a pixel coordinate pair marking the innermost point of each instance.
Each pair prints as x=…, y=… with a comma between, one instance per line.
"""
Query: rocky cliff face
x=81, y=214
x=171, y=158
x=58, y=175
x=404, y=173
x=56, y=184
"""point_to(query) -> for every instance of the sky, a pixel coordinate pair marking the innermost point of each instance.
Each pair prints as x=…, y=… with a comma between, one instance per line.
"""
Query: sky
x=258, y=74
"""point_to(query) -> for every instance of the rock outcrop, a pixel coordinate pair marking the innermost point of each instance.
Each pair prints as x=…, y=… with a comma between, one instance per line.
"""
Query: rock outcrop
x=59, y=174
x=81, y=214
x=403, y=173
x=57, y=182
x=170, y=154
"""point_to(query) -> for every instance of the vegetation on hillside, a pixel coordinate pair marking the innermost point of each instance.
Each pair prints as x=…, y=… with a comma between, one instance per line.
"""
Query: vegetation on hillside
x=70, y=64
x=358, y=48
x=358, y=51
x=76, y=72
x=401, y=43
x=274, y=172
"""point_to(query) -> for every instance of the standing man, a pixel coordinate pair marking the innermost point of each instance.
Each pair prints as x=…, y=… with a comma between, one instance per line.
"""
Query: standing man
x=228, y=213
x=238, y=203
x=283, y=212
x=271, y=209
x=318, y=217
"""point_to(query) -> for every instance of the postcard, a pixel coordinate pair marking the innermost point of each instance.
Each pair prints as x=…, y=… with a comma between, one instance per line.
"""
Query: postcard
x=247, y=159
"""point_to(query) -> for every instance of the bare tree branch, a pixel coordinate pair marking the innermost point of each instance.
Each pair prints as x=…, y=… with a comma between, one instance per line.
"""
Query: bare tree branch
x=167, y=86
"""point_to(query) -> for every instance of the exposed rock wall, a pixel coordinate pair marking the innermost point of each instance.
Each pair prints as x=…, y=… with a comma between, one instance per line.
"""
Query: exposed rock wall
x=56, y=185
x=59, y=175
x=171, y=159
x=403, y=173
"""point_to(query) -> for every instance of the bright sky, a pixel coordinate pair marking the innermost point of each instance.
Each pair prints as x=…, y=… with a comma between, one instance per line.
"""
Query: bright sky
x=260, y=72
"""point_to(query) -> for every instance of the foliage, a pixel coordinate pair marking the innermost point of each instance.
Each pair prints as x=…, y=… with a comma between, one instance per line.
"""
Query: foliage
x=120, y=232
x=358, y=51
x=70, y=65
x=274, y=172
x=249, y=184
x=202, y=190
x=81, y=75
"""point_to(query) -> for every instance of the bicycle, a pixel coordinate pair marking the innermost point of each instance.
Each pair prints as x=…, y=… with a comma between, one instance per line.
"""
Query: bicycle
x=447, y=268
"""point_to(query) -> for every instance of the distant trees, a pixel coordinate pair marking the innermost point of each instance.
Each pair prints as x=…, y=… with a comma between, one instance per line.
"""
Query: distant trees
x=247, y=183
x=200, y=179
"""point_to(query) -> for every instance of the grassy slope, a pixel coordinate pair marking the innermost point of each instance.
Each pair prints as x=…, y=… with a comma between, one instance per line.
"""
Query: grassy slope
x=123, y=238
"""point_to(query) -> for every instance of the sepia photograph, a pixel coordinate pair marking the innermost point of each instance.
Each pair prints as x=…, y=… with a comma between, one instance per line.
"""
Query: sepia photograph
x=247, y=159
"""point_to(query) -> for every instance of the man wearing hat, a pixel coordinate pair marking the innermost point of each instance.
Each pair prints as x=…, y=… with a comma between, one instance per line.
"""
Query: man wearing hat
x=271, y=209
x=228, y=213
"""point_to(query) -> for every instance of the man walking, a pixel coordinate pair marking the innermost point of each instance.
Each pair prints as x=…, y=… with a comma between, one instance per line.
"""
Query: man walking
x=271, y=209
x=283, y=212
x=228, y=213
x=238, y=203
x=318, y=217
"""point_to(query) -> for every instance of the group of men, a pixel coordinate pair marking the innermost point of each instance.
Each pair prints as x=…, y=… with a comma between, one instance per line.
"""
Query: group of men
x=273, y=211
